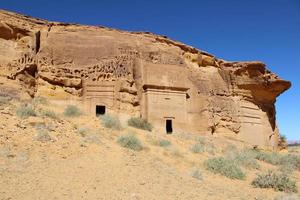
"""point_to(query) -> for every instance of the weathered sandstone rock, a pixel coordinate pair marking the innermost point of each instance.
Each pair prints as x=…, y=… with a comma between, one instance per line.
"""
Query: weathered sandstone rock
x=141, y=74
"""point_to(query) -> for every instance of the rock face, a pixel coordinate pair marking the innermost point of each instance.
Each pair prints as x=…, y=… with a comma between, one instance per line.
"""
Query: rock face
x=172, y=85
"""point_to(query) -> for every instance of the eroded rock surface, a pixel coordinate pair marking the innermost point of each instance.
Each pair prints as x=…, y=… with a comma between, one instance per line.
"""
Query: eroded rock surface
x=141, y=74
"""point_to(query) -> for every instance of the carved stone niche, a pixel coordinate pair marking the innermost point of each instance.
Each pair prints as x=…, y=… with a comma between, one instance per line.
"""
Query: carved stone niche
x=100, y=93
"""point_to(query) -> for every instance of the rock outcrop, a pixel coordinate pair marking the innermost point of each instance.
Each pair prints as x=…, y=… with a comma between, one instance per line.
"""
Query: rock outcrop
x=141, y=74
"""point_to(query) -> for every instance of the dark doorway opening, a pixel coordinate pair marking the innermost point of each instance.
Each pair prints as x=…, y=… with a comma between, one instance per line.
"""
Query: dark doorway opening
x=169, y=127
x=100, y=110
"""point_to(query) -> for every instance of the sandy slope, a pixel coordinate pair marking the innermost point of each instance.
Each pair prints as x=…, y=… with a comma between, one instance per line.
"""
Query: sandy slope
x=96, y=167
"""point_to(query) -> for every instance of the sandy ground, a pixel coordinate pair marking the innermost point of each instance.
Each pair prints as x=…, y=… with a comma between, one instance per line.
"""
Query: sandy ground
x=71, y=166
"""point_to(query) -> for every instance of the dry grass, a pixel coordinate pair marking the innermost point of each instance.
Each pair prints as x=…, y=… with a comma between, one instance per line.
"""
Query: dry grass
x=111, y=121
x=277, y=181
x=140, y=123
x=225, y=167
x=130, y=141
x=72, y=111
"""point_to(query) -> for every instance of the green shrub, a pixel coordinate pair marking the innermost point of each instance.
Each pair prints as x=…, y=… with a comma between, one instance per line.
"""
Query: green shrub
x=130, y=141
x=195, y=173
x=272, y=158
x=277, y=181
x=225, y=167
x=210, y=148
x=201, y=140
x=39, y=100
x=26, y=111
x=72, y=111
x=283, y=138
x=110, y=121
x=48, y=113
x=159, y=142
x=290, y=161
x=140, y=123
x=202, y=146
x=197, y=148
x=245, y=158
x=164, y=143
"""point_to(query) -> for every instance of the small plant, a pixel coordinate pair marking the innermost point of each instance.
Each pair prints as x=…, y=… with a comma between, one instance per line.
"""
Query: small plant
x=195, y=173
x=225, y=167
x=82, y=130
x=5, y=100
x=277, y=181
x=289, y=163
x=164, y=143
x=288, y=197
x=130, y=141
x=283, y=138
x=39, y=100
x=210, y=148
x=245, y=158
x=110, y=121
x=49, y=114
x=272, y=158
x=42, y=134
x=26, y=111
x=197, y=148
x=72, y=111
x=140, y=123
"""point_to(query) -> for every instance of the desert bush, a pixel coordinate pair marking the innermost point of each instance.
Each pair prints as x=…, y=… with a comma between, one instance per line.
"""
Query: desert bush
x=42, y=134
x=287, y=168
x=289, y=163
x=245, y=158
x=159, y=142
x=164, y=143
x=197, y=148
x=110, y=121
x=39, y=100
x=196, y=173
x=130, y=141
x=72, y=111
x=83, y=130
x=25, y=111
x=272, y=158
x=277, y=181
x=48, y=113
x=201, y=140
x=210, y=148
x=202, y=146
x=225, y=167
x=140, y=123
x=4, y=100
x=288, y=197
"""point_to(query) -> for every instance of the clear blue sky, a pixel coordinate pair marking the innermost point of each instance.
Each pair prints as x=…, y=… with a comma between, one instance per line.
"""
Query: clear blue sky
x=265, y=30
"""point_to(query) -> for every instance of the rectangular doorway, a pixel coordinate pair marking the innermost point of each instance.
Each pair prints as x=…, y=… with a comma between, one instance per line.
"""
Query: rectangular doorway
x=100, y=110
x=169, y=128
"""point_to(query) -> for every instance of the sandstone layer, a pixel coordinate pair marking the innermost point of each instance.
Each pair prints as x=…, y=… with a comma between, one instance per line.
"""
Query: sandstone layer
x=141, y=74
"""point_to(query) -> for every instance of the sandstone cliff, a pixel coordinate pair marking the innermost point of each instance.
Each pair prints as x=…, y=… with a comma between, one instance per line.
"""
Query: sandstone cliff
x=141, y=74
